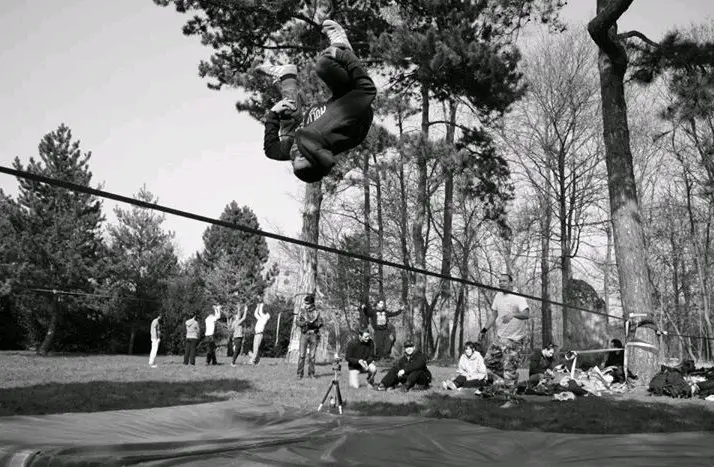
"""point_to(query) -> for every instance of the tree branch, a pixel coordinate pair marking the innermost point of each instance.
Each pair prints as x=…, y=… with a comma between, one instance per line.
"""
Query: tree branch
x=605, y=20
x=639, y=35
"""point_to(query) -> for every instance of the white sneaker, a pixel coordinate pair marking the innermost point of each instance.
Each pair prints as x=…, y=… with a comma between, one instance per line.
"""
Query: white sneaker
x=335, y=33
x=153, y=366
x=445, y=385
x=277, y=71
x=233, y=365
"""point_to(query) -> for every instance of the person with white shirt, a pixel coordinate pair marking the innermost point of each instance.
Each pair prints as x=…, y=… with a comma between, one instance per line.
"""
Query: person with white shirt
x=510, y=313
x=210, y=331
x=192, y=332
x=155, y=339
x=261, y=319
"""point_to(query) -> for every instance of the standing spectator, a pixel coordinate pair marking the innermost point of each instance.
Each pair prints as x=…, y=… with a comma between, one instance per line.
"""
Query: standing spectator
x=360, y=359
x=261, y=319
x=471, y=371
x=511, y=313
x=236, y=328
x=155, y=339
x=380, y=323
x=309, y=321
x=410, y=370
x=211, y=319
x=192, y=331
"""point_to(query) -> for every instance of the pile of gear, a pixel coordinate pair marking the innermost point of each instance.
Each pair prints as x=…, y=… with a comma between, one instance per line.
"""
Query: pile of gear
x=683, y=381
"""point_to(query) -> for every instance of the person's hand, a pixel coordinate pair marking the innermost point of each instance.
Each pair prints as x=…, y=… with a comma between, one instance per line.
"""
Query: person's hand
x=549, y=373
x=363, y=363
x=284, y=106
x=400, y=373
x=506, y=319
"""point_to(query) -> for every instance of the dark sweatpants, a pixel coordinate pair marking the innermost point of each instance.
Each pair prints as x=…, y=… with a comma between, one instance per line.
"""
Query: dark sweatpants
x=211, y=354
x=382, y=343
x=461, y=382
x=391, y=379
x=189, y=353
x=346, y=120
x=237, y=344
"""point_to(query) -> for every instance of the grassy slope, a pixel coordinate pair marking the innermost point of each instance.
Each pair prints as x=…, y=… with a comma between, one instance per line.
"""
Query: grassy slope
x=32, y=385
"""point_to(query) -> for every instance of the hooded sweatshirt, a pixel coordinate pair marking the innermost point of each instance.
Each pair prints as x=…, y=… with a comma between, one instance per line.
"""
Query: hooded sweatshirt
x=472, y=368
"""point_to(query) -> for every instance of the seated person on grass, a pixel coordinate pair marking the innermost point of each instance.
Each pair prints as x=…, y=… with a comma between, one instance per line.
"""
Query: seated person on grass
x=471, y=371
x=614, y=362
x=542, y=364
x=410, y=370
x=360, y=359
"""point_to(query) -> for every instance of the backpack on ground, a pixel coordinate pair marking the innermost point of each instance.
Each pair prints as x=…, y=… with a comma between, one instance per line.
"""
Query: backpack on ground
x=669, y=382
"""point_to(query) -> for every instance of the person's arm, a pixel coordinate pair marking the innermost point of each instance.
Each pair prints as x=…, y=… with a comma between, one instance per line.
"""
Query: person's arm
x=350, y=353
x=241, y=320
x=417, y=363
x=370, y=359
x=273, y=146
x=391, y=314
x=319, y=322
x=368, y=312
x=461, y=369
x=481, y=366
x=523, y=309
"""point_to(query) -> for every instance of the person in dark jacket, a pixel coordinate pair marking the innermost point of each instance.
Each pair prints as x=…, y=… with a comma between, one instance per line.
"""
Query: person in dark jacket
x=327, y=129
x=616, y=359
x=410, y=370
x=541, y=364
x=379, y=318
x=309, y=321
x=360, y=359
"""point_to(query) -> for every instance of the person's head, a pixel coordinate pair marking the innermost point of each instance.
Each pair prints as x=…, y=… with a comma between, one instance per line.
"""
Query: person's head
x=549, y=350
x=617, y=344
x=305, y=168
x=364, y=335
x=308, y=301
x=409, y=348
x=380, y=305
x=469, y=348
x=505, y=281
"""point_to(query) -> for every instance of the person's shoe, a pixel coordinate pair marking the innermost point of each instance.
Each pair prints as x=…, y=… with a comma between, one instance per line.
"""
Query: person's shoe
x=381, y=387
x=233, y=365
x=299, y=376
x=277, y=71
x=153, y=366
x=335, y=33
x=444, y=385
x=508, y=405
x=477, y=392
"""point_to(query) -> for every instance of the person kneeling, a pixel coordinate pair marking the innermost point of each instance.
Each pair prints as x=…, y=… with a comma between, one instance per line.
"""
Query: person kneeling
x=360, y=359
x=410, y=370
x=541, y=365
x=471, y=371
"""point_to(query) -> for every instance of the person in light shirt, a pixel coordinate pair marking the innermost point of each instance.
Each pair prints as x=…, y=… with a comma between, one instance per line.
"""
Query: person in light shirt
x=155, y=339
x=261, y=319
x=211, y=319
x=510, y=314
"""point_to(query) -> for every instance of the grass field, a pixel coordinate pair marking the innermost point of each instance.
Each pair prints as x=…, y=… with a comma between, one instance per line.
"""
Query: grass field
x=32, y=385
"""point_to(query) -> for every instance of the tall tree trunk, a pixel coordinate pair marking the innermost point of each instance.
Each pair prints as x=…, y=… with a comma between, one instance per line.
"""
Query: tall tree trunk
x=606, y=272
x=460, y=308
x=366, y=191
x=132, y=338
x=545, y=232
x=49, y=339
x=704, y=319
x=380, y=230
x=624, y=207
x=569, y=318
x=418, y=240
x=307, y=279
x=446, y=240
x=408, y=316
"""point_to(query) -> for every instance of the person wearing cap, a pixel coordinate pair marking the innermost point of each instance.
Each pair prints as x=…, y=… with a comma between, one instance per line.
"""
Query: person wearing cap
x=471, y=370
x=309, y=321
x=510, y=313
x=360, y=359
x=410, y=370
x=542, y=363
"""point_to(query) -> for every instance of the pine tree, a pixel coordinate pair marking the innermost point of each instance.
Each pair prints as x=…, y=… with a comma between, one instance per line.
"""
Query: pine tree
x=58, y=229
x=142, y=259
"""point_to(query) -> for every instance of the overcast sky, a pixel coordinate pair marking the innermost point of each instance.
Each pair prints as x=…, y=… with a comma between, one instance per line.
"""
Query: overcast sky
x=124, y=78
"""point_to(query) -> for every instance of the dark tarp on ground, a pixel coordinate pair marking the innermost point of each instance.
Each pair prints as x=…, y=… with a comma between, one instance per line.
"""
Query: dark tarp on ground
x=240, y=433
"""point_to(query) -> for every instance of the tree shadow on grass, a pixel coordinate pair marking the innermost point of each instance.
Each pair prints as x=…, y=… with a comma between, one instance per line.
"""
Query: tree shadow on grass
x=98, y=396
x=585, y=415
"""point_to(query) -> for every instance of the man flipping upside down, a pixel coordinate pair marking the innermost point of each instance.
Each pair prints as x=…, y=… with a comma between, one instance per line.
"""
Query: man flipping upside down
x=328, y=129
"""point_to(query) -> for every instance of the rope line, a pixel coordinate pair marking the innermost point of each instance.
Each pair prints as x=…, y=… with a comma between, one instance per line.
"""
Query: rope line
x=177, y=212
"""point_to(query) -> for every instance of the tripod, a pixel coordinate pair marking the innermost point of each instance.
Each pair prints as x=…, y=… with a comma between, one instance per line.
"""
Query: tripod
x=334, y=384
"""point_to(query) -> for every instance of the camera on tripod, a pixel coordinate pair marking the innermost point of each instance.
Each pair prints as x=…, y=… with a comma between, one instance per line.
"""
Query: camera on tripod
x=337, y=364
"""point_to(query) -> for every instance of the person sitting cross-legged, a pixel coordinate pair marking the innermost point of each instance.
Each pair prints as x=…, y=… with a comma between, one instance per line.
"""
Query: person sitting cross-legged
x=541, y=364
x=471, y=371
x=410, y=370
x=360, y=359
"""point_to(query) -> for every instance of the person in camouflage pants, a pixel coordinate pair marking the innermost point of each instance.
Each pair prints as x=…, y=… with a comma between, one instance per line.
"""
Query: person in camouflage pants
x=511, y=312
